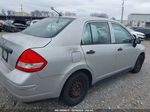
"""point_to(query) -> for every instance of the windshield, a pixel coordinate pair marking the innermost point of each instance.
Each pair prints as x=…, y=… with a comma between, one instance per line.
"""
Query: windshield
x=9, y=21
x=48, y=27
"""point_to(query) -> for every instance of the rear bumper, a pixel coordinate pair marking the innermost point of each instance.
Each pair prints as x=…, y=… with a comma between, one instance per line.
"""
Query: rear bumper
x=29, y=86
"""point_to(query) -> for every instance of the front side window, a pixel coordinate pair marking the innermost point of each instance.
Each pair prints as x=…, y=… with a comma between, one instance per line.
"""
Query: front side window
x=121, y=35
x=48, y=28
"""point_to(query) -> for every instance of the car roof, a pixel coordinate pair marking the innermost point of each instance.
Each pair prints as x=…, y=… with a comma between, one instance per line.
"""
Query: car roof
x=35, y=20
x=86, y=18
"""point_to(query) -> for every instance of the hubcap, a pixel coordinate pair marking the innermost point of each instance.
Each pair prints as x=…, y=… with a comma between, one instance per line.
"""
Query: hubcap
x=76, y=89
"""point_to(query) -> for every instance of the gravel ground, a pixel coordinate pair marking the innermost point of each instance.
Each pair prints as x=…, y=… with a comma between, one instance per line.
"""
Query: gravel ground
x=123, y=91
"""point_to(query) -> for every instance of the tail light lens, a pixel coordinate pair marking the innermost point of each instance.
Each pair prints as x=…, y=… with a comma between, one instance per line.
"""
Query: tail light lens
x=30, y=61
x=1, y=23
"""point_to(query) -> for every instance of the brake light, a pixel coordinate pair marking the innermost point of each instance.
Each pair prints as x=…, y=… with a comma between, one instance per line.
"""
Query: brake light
x=30, y=61
x=1, y=23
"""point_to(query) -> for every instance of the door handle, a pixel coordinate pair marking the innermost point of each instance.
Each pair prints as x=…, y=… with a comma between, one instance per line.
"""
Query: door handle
x=90, y=52
x=120, y=49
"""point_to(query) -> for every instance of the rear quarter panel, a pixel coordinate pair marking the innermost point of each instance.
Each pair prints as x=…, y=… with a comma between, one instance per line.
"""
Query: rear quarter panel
x=61, y=53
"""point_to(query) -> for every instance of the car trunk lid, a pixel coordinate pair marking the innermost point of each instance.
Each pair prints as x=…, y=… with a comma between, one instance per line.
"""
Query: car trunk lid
x=13, y=45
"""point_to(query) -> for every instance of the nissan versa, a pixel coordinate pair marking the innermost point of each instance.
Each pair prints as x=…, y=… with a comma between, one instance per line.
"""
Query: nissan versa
x=63, y=56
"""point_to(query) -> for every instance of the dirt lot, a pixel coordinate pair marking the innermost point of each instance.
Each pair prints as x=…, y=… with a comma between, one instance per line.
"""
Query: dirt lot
x=123, y=91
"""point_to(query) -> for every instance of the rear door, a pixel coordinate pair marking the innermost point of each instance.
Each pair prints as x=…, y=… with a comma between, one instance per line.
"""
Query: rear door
x=126, y=53
x=98, y=50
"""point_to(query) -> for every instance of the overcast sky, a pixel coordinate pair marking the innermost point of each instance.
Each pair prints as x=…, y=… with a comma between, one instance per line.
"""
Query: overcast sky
x=81, y=7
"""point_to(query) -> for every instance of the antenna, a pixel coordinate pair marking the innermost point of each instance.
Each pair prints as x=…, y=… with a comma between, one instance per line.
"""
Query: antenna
x=52, y=8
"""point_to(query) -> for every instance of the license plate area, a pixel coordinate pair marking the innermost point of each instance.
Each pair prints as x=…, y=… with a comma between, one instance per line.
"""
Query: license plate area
x=5, y=52
x=5, y=55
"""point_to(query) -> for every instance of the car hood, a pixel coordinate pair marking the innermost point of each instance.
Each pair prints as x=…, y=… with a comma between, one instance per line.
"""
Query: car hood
x=137, y=33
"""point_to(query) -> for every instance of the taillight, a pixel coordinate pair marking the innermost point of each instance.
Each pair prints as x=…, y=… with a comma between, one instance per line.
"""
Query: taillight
x=1, y=23
x=30, y=61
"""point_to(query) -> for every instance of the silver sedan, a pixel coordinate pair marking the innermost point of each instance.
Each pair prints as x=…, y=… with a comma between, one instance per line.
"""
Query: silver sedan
x=64, y=56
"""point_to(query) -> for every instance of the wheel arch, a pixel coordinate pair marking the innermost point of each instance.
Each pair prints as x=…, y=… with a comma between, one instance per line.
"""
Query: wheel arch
x=143, y=54
x=85, y=70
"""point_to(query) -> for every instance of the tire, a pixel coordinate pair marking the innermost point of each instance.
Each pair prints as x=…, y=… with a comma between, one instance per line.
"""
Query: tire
x=75, y=89
x=138, y=64
x=12, y=30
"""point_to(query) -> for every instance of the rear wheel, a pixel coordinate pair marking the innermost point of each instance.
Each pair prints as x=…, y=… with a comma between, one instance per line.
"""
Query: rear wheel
x=75, y=89
x=13, y=30
x=138, y=64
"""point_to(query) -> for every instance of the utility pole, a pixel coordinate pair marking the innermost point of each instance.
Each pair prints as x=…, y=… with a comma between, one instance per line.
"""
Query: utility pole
x=122, y=14
x=21, y=10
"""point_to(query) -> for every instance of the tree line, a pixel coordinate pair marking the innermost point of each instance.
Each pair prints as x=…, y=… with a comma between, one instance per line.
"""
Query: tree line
x=39, y=13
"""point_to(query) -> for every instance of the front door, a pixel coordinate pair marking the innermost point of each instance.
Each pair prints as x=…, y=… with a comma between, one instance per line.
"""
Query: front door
x=126, y=53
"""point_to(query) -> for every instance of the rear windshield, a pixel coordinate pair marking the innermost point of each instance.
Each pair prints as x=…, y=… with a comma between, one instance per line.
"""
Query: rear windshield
x=48, y=27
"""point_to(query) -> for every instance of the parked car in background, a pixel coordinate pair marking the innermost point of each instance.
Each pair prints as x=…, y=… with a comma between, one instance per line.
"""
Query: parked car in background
x=146, y=31
x=137, y=34
x=64, y=56
x=1, y=25
x=28, y=22
x=14, y=25
x=33, y=22
x=7, y=25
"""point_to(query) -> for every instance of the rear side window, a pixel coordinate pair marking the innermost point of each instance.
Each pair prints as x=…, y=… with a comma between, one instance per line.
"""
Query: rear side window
x=100, y=33
x=87, y=35
x=48, y=28
x=96, y=33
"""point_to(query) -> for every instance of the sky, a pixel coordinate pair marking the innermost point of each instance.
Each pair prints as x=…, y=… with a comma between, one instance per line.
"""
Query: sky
x=81, y=7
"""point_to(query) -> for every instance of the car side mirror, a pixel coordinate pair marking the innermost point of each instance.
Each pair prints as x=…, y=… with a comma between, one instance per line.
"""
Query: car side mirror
x=136, y=41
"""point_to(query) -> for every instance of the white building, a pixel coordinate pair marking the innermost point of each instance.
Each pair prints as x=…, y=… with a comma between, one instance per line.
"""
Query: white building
x=141, y=20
